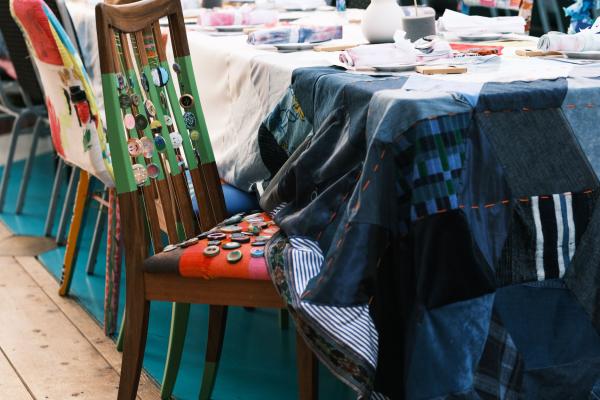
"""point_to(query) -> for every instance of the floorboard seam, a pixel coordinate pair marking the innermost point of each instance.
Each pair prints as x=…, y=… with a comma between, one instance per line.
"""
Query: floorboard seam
x=17, y=373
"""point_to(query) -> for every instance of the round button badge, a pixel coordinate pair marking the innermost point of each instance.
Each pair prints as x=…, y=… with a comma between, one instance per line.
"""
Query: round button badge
x=140, y=174
x=129, y=121
x=160, y=76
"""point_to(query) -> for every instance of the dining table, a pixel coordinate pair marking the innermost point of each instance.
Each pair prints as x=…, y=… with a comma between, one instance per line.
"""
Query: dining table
x=438, y=232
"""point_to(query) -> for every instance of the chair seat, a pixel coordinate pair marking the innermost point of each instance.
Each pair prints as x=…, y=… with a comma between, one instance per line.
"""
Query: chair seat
x=191, y=262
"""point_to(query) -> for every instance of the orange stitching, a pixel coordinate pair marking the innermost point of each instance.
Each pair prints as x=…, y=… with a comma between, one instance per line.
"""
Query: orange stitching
x=376, y=168
x=589, y=105
x=571, y=106
x=332, y=216
x=489, y=205
x=382, y=154
x=366, y=185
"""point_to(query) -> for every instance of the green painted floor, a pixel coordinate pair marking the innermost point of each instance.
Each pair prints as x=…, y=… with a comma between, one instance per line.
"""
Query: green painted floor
x=258, y=361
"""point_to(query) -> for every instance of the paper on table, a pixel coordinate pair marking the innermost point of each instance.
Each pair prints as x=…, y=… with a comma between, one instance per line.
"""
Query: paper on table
x=586, y=40
x=456, y=22
x=377, y=54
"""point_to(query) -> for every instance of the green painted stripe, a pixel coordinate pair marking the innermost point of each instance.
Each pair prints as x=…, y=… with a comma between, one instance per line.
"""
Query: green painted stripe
x=115, y=132
x=188, y=150
x=160, y=114
x=136, y=89
x=187, y=84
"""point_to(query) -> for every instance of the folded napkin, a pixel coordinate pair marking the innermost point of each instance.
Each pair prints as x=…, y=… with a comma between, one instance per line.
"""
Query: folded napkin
x=585, y=40
x=240, y=16
x=377, y=54
x=402, y=51
x=295, y=34
x=456, y=22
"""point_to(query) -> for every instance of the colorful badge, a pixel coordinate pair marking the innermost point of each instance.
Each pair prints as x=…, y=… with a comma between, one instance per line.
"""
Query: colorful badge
x=134, y=147
x=150, y=109
x=194, y=135
x=176, y=68
x=186, y=101
x=190, y=120
x=160, y=76
x=176, y=139
x=147, y=146
x=135, y=99
x=153, y=170
x=140, y=174
x=129, y=121
x=124, y=101
x=120, y=82
x=156, y=126
x=145, y=83
x=141, y=122
x=160, y=143
x=168, y=120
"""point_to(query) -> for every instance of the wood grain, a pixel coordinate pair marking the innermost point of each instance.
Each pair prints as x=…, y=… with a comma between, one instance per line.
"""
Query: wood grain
x=233, y=292
x=48, y=351
x=86, y=325
x=11, y=386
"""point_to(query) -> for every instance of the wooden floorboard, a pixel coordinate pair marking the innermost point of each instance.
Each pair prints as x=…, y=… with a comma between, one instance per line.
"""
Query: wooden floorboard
x=11, y=385
x=53, y=347
x=86, y=325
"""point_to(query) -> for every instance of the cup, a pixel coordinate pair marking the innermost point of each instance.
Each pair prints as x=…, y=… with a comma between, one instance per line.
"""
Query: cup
x=418, y=23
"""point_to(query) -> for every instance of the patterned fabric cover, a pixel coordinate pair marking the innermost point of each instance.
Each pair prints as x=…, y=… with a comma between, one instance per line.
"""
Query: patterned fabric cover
x=75, y=123
x=191, y=262
x=441, y=245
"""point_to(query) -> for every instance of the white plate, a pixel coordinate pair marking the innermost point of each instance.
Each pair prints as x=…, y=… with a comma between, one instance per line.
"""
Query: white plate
x=480, y=37
x=289, y=47
x=584, y=55
x=300, y=8
x=230, y=28
x=396, y=67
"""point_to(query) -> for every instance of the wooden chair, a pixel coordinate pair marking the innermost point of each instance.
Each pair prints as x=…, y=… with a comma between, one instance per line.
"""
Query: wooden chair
x=523, y=7
x=131, y=46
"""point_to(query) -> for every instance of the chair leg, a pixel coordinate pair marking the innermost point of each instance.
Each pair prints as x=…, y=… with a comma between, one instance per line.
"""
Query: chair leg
x=121, y=336
x=76, y=222
x=60, y=171
x=284, y=319
x=95, y=245
x=179, y=321
x=136, y=331
x=308, y=370
x=17, y=126
x=217, y=321
x=62, y=223
x=39, y=124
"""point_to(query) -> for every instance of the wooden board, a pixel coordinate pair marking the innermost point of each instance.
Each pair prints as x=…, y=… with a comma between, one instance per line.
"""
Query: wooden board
x=87, y=326
x=51, y=355
x=11, y=386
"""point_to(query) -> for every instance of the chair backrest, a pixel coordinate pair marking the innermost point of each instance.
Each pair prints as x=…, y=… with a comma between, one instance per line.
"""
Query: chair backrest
x=154, y=159
x=17, y=50
x=75, y=124
x=523, y=7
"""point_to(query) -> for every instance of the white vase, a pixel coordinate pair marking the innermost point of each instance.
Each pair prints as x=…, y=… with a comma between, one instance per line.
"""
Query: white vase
x=381, y=19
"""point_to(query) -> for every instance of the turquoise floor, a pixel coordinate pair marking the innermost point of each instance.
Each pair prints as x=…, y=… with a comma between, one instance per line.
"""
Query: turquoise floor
x=258, y=361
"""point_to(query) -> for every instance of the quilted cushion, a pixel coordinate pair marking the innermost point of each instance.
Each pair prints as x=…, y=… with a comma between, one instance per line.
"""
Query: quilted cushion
x=191, y=261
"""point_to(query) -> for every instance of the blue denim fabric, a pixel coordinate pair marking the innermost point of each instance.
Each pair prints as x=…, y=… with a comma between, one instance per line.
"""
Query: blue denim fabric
x=580, y=107
x=547, y=324
x=448, y=342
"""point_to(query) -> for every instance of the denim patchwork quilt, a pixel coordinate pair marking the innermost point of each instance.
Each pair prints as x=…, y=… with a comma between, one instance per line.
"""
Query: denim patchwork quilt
x=433, y=246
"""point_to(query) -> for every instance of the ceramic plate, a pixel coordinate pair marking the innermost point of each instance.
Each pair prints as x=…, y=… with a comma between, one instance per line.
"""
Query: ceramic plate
x=584, y=55
x=300, y=8
x=480, y=37
x=396, y=67
x=289, y=47
x=230, y=28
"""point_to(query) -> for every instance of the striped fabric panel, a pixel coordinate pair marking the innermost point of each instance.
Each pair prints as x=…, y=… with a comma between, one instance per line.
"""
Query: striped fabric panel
x=557, y=225
x=352, y=326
